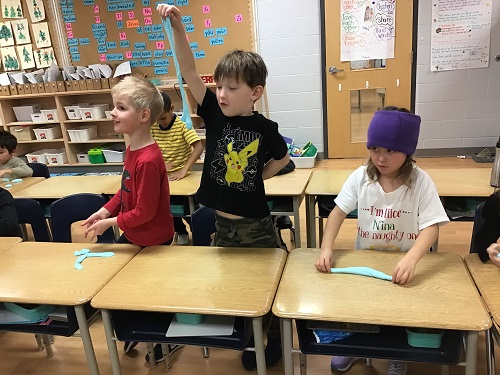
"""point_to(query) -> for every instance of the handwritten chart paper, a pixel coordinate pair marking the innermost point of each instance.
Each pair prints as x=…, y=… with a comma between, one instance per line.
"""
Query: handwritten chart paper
x=460, y=35
x=367, y=29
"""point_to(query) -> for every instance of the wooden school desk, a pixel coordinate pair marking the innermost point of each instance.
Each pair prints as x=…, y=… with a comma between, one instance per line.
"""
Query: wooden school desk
x=8, y=242
x=286, y=189
x=450, y=182
x=441, y=295
x=62, y=186
x=18, y=186
x=44, y=273
x=486, y=277
x=238, y=282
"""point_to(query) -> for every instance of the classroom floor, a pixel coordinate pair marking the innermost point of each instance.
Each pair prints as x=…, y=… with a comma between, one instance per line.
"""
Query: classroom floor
x=20, y=355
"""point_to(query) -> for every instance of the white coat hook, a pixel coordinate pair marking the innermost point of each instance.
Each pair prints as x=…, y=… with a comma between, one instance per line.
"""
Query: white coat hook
x=397, y=82
x=340, y=87
x=367, y=84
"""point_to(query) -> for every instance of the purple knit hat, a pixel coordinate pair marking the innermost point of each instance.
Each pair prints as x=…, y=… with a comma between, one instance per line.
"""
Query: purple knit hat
x=394, y=130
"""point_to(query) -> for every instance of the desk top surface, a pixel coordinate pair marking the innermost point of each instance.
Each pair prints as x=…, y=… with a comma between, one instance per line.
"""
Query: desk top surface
x=43, y=272
x=441, y=294
x=18, y=186
x=486, y=277
x=290, y=184
x=204, y=280
x=7, y=242
x=452, y=182
x=462, y=182
x=61, y=186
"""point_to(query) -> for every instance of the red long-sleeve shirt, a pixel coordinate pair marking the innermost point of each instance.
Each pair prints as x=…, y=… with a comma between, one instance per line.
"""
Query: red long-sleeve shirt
x=142, y=205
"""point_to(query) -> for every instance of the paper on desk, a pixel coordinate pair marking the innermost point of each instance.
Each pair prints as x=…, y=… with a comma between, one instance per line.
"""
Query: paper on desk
x=89, y=73
x=212, y=325
x=69, y=71
x=123, y=69
x=53, y=73
x=95, y=69
x=35, y=77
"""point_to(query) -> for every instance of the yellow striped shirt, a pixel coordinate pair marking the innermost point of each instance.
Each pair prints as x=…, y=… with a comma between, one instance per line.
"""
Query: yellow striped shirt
x=175, y=143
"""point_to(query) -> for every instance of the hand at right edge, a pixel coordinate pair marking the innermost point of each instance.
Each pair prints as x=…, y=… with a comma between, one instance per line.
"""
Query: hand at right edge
x=171, y=12
x=325, y=261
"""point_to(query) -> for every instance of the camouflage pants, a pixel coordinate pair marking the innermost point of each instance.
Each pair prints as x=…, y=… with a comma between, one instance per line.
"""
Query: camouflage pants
x=246, y=232
x=250, y=232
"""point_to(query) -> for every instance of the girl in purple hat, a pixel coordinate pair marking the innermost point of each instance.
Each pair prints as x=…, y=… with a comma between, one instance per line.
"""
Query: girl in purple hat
x=398, y=205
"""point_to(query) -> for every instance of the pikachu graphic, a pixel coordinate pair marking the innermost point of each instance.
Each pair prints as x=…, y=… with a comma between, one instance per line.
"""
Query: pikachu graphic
x=236, y=162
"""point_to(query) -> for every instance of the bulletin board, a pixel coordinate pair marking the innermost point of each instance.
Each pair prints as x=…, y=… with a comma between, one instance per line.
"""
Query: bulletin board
x=114, y=31
x=28, y=37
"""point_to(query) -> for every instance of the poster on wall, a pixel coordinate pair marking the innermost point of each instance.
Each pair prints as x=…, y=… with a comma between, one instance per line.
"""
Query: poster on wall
x=36, y=10
x=12, y=9
x=460, y=34
x=367, y=29
x=21, y=31
x=25, y=53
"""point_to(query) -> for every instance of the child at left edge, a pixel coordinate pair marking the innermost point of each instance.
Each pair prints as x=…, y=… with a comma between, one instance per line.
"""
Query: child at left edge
x=10, y=165
x=141, y=208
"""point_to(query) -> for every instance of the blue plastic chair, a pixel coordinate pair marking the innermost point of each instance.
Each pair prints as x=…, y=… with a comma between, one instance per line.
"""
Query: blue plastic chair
x=203, y=226
x=76, y=207
x=39, y=170
x=29, y=211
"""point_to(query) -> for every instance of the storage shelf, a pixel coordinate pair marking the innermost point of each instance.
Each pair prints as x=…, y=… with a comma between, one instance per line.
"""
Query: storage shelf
x=42, y=141
x=29, y=123
x=86, y=121
x=90, y=164
x=99, y=140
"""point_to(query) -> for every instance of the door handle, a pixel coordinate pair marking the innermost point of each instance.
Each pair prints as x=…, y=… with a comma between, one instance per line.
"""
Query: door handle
x=333, y=70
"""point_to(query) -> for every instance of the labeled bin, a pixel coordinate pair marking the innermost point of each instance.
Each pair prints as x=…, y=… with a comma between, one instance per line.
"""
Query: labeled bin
x=83, y=133
x=47, y=133
x=23, y=112
x=23, y=132
x=56, y=156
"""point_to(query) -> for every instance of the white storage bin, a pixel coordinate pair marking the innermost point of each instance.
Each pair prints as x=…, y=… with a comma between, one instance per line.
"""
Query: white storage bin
x=23, y=112
x=37, y=117
x=73, y=112
x=48, y=132
x=304, y=161
x=94, y=112
x=108, y=114
x=37, y=157
x=56, y=156
x=82, y=157
x=50, y=114
x=83, y=133
x=114, y=154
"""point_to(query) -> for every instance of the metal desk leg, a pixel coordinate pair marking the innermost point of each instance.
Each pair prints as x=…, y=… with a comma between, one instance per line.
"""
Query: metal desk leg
x=48, y=346
x=303, y=363
x=471, y=355
x=310, y=220
x=110, y=340
x=287, y=343
x=490, y=352
x=191, y=204
x=258, y=336
x=296, y=221
x=87, y=341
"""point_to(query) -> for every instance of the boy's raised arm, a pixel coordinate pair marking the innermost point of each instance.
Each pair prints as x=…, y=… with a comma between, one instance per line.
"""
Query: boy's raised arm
x=183, y=51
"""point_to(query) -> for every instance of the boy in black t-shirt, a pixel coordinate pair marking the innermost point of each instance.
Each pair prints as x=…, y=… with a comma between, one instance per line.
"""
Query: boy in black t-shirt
x=237, y=139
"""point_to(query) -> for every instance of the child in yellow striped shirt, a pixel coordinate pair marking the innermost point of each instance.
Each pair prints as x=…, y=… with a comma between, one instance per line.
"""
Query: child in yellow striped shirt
x=181, y=147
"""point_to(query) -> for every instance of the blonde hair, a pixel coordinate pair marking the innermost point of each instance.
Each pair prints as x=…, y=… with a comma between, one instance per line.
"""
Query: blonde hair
x=142, y=94
x=406, y=173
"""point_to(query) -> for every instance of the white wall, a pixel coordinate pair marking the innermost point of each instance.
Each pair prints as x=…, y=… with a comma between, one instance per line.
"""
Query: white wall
x=458, y=108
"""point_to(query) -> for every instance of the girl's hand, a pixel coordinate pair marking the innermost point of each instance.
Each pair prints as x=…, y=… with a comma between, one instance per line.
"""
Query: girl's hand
x=172, y=12
x=493, y=251
x=404, y=270
x=98, y=227
x=325, y=261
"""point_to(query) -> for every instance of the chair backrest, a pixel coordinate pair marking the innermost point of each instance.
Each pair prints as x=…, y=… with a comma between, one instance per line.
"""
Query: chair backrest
x=29, y=211
x=76, y=207
x=478, y=223
x=39, y=170
x=203, y=226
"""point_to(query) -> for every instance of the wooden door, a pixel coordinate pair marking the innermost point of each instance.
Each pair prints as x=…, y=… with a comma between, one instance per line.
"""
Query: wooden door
x=359, y=88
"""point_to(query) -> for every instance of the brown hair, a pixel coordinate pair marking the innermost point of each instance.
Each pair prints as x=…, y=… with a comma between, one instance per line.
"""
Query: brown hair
x=245, y=66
